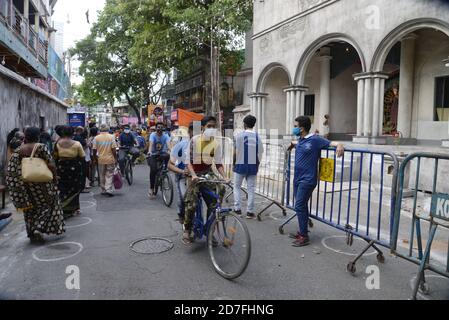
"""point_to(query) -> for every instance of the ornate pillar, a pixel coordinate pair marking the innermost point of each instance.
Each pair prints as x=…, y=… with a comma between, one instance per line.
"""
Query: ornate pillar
x=288, y=109
x=378, y=103
x=406, y=85
x=258, y=108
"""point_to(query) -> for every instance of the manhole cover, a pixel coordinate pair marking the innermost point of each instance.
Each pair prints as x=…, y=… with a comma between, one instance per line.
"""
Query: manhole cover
x=151, y=245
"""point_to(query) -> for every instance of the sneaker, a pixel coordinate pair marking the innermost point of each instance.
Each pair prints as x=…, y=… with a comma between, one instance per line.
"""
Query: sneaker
x=250, y=215
x=238, y=212
x=110, y=195
x=293, y=236
x=301, y=241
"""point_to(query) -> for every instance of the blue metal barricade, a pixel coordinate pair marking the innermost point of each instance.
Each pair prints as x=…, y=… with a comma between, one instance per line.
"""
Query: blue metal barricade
x=358, y=196
x=428, y=204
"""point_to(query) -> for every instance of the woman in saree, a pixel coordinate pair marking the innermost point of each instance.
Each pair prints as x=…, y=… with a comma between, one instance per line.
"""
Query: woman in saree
x=38, y=201
x=70, y=167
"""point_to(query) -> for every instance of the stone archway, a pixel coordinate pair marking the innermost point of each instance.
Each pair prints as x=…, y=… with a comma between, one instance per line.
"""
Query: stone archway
x=326, y=68
x=270, y=101
x=412, y=57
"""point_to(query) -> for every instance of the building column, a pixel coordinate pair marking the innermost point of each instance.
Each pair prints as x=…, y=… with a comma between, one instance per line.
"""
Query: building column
x=288, y=109
x=36, y=22
x=407, y=70
x=378, y=103
x=325, y=80
x=26, y=9
x=360, y=106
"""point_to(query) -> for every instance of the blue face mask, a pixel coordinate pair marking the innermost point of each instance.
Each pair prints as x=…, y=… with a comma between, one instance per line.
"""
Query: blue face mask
x=296, y=132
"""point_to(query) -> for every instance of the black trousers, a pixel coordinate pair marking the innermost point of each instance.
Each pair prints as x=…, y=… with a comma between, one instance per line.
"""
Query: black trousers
x=155, y=163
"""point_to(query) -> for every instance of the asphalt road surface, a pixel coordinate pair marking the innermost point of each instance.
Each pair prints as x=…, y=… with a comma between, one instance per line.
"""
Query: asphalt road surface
x=97, y=243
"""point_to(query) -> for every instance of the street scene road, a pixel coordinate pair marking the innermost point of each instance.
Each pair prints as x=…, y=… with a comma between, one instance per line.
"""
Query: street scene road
x=98, y=243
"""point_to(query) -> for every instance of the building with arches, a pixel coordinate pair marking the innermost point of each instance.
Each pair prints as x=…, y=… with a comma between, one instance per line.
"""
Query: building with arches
x=378, y=68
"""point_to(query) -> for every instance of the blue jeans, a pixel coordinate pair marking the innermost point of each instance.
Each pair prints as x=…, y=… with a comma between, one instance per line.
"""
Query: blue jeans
x=303, y=194
x=181, y=185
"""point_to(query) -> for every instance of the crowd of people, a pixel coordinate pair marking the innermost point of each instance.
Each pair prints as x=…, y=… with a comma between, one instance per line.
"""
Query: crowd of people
x=76, y=155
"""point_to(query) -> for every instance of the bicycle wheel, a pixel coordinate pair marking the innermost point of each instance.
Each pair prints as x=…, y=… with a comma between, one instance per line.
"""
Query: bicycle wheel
x=229, y=246
x=129, y=172
x=167, y=190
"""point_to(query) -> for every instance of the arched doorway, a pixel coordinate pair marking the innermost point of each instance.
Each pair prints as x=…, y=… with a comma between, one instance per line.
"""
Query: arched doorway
x=272, y=84
x=327, y=69
x=416, y=96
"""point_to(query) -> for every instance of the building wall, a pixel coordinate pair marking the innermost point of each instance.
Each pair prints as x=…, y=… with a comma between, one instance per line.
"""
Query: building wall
x=291, y=35
x=428, y=66
x=288, y=32
x=34, y=103
x=275, y=103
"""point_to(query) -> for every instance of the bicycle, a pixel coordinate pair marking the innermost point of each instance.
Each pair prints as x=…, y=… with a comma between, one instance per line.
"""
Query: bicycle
x=129, y=175
x=164, y=183
x=226, y=233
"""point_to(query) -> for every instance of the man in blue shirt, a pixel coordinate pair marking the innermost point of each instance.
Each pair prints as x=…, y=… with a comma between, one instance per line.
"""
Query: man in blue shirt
x=248, y=154
x=126, y=142
x=307, y=155
x=178, y=165
x=158, y=153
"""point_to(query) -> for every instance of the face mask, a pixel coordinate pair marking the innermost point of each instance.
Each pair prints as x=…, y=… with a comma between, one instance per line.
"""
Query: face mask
x=127, y=131
x=209, y=133
x=296, y=132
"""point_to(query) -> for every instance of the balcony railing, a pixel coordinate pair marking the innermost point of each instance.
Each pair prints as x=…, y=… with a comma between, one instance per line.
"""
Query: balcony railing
x=20, y=26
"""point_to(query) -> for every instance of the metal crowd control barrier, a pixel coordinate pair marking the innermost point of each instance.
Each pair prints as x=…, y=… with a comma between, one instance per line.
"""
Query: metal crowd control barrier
x=358, y=196
x=271, y=178
x=435, y=213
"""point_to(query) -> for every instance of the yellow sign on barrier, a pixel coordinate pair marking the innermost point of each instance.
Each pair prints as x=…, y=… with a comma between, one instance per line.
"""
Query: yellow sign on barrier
x=327, y=170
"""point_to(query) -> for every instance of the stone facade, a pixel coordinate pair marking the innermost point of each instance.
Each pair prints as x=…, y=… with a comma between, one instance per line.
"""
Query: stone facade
x=299, y=51
x=23, y=104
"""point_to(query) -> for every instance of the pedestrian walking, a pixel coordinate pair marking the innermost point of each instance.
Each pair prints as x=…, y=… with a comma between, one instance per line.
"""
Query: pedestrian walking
x=308, y=153
x=92, y=165
x=14, y=140
x=105, y=154
x=38, y=201
x=248, y=154
x=177, y=164
x=70, y=167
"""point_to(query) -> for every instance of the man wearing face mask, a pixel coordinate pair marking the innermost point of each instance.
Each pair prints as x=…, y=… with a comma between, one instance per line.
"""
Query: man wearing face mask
x=203, y=151
x=158, y=153
x=126, y=142
x=307, y=154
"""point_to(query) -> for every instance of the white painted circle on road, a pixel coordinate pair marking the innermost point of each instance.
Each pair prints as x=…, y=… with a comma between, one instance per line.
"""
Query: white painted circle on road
x=87, y=204
x=323, y=242
x=79, y=224
x=63, y=250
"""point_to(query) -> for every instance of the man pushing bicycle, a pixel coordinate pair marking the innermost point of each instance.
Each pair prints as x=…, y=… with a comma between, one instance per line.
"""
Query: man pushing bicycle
x=203, y=150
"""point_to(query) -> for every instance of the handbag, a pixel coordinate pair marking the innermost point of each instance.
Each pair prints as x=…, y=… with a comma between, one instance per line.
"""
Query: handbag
x=117, y=179
x=35, y=170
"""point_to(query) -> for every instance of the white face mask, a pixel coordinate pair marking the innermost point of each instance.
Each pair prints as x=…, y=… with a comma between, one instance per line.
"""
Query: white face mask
x=127, y=131
x=210, y=133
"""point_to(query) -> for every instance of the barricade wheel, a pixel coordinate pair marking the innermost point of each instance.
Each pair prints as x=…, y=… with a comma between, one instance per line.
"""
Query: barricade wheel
x=424, y=288
x=310, y=223
x=380, y=258
x=351, y=267
x=281, y=230
x=284, y=213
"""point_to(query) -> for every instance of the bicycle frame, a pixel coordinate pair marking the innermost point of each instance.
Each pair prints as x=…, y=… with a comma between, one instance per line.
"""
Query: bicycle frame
x=200, y=228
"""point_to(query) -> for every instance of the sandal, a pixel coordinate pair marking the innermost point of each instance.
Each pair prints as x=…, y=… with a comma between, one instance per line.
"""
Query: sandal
x=186, y=239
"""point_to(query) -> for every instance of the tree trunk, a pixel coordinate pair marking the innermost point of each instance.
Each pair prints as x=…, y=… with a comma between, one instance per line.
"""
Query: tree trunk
x=135, y=109
x=208, y=107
